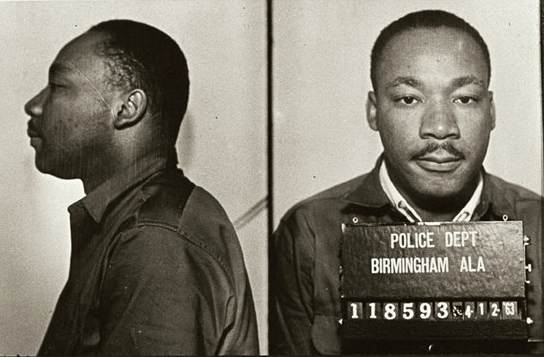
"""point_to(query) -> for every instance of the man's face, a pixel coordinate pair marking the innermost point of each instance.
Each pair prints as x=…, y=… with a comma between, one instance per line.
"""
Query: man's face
x=433, y=111
x=69, y=126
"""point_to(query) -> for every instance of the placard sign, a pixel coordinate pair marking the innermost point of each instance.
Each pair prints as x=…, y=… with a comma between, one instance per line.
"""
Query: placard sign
x=423, y=275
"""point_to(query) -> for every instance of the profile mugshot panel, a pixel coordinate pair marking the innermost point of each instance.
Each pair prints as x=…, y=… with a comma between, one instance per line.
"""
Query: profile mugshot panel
x=322, y=77
x=221, y=145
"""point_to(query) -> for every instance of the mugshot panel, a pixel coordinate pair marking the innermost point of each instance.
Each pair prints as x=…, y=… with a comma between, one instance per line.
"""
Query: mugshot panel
x=321, y=77
x=221, y=146
x=325, y=254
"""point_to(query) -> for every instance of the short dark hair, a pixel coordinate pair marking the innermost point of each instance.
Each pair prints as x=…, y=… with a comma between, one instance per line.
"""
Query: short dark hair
x=142, y=56
x=423, y=19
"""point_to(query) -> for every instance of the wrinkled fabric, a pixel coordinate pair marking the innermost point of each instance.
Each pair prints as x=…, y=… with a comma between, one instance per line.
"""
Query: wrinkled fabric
x=156, y=269
x=304, y=266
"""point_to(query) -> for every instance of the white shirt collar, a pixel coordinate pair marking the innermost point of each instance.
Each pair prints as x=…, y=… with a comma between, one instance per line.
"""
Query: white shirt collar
x=410, y=213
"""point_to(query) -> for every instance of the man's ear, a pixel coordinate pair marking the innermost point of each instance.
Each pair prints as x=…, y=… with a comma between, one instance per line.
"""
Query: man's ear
x=130, y=110
x=371, y=110
x=492, y=110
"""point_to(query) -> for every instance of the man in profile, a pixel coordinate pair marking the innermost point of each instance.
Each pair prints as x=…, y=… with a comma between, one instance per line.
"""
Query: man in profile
x=156, y=267
x=434, y=112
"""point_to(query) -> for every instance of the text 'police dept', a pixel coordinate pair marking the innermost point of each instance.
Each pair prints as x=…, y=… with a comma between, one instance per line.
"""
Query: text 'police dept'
x=422, y=265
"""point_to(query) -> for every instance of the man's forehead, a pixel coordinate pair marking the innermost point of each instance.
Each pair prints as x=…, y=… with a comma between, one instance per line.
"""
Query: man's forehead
x=427, y=50
x=441, y=40
x=80, y=53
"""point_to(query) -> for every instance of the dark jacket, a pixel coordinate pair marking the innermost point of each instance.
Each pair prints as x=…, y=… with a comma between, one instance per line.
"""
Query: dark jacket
x=156, y=269
x=304, y=262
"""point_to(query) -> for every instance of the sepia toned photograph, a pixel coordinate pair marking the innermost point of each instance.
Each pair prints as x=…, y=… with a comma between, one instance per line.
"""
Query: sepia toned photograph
x=272, y=177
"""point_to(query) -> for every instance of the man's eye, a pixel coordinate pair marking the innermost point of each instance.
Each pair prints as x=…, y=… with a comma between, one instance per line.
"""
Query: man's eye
x=56, y=84
x=465, y=100
x=53, y=86
x=407, y=100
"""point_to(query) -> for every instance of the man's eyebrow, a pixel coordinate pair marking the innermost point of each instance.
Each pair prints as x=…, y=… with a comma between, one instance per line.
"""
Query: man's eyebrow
x=58, y=68
x=455, y=83
x=411, y=81
x=466, y=80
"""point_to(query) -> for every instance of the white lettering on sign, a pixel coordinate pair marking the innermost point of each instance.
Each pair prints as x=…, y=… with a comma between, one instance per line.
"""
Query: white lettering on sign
x=412, y=240
x=423, y=265
x=468, y=266
x=434, y=310
x=404, y=265
x=460, y=239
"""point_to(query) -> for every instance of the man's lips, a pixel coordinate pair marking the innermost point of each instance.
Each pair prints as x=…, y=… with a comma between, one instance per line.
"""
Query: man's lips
x=34, y=135
x=31, y=131
x=438, y=162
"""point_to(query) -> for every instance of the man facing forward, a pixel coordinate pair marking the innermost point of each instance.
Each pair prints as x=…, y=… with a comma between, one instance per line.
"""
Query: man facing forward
x=431, y=105
x=156, y=267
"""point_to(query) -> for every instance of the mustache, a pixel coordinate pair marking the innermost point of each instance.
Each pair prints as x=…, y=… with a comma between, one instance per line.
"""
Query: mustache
x=434, y=146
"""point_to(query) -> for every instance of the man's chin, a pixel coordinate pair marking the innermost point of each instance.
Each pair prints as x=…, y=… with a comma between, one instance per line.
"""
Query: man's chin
x=442, y=187
x=59, y=171
x=443, y=193
x=428, y=185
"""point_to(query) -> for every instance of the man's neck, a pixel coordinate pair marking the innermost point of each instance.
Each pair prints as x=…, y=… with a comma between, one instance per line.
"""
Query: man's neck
x=441, y=209
x=98, y=176
x=119, y=164
x=434, y=216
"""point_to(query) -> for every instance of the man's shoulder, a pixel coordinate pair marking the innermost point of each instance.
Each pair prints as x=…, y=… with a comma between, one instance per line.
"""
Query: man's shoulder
x=163, y=199
x=327, y=199
x=190, y=214
x=171, y=196
x=514, y=201
x=509, y=191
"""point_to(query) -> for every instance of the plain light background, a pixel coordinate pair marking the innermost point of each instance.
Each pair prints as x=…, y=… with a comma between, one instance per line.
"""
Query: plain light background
x=321, y=78
x=222, y=144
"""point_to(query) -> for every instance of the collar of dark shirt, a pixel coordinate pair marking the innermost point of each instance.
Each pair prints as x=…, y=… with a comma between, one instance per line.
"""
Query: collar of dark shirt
x=370, y=194
x=97, y=201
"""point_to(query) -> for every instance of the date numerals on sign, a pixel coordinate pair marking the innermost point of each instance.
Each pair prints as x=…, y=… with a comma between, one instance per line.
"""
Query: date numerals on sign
x=434, y=310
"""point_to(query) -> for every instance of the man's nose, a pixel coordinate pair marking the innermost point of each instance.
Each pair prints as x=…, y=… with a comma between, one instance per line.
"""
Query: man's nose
x=439, y=122
x=34, y=107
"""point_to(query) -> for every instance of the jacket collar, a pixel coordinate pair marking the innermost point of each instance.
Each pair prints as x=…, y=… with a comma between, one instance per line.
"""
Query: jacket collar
x=370, y=194
x=98, y=200
x=494, y=204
